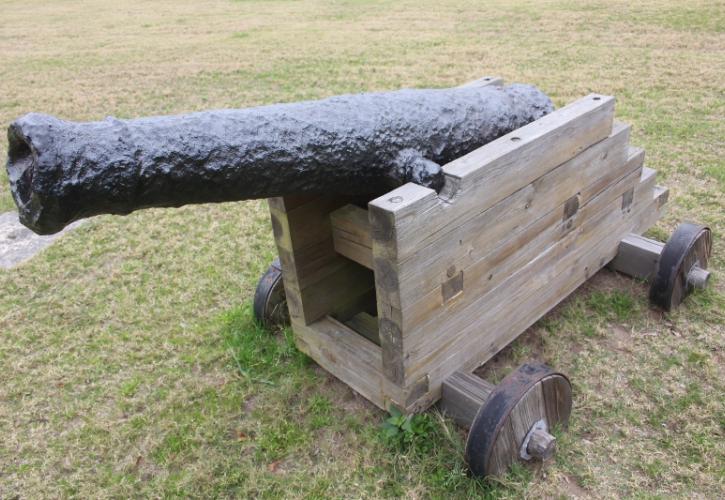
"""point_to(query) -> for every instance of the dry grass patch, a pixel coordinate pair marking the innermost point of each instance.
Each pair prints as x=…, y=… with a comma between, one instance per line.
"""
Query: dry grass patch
x=131, y=364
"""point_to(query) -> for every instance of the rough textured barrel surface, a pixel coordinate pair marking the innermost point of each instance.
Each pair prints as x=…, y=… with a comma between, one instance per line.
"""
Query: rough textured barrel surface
x=361, y=144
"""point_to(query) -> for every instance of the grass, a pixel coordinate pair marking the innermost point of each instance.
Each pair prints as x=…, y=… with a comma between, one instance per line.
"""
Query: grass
x=130, y=362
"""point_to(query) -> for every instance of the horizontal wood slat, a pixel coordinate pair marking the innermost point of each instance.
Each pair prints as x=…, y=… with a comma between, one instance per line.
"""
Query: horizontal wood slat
x=637, y=256
x=351, y=234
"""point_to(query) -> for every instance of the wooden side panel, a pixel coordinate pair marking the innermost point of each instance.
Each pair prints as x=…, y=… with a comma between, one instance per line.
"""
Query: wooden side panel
x=467, y=253
x=516, y=304
x=412, y=217
x=479, y=180
x=439, y=330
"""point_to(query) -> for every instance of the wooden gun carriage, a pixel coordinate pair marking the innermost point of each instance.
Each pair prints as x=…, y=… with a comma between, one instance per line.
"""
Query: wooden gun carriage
x=403, y=296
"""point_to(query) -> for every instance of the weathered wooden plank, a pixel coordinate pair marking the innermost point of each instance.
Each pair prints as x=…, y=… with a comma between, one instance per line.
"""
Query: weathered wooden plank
x=588, y=216
x=531, y=293
x=425, y=316
x=647, y=182
x=351, y=234
x=357, y=253
x=385, y=215
x=317, y=280
x=647, y=219
x=462, y=395
x=344, y=353
x=304, y=234
x=422, y=275
x=353, y=222
x=637, y=256
x=366, y=325
x=534, y=149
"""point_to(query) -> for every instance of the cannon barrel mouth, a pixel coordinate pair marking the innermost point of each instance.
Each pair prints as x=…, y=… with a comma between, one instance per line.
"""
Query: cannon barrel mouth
x=22, y=159
x=35, y=209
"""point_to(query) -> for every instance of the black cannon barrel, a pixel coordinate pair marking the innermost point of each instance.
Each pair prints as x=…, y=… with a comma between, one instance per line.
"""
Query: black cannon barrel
x=363, y=144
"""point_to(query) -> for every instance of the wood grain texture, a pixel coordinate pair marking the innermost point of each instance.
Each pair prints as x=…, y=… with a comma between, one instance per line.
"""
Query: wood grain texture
x=386, y=214
x=498, y=169
x=318, y=281
x=366, y=325
x=485, y=289
x=531, y=292
x=477, y=249
x=347, y=355
x=567, y=132
x=637, y=256
x=351, y=234
x=463, y=394
x=557, y=399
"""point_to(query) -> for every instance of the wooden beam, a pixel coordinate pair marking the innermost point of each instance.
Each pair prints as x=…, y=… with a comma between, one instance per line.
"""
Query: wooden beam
x=532, y=150
x=318, y=281
x=366, y=325
x=347, y=355
x=351, y=234
x=637, y=256
x=386, y=214
x=510, y=223
x=463, y=394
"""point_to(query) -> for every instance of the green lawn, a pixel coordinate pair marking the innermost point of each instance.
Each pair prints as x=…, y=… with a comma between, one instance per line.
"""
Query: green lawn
x=130, y=362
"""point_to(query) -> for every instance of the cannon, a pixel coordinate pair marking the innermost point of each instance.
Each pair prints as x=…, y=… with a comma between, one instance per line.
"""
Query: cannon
x=406, y=297
x=419, y=232
x=363, y=144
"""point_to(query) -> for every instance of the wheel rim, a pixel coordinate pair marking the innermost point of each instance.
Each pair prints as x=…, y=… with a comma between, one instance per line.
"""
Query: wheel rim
x=690, y=245
x=270, y=303
x=493, y=429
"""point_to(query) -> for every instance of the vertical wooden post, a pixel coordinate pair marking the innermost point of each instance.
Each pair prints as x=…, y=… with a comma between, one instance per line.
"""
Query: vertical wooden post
x=318, y=281
x=387, y=215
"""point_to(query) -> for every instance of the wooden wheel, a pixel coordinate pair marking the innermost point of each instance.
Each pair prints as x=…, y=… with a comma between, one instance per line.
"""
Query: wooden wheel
x=514, y=422
x=270, y=302
x=682, y=265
